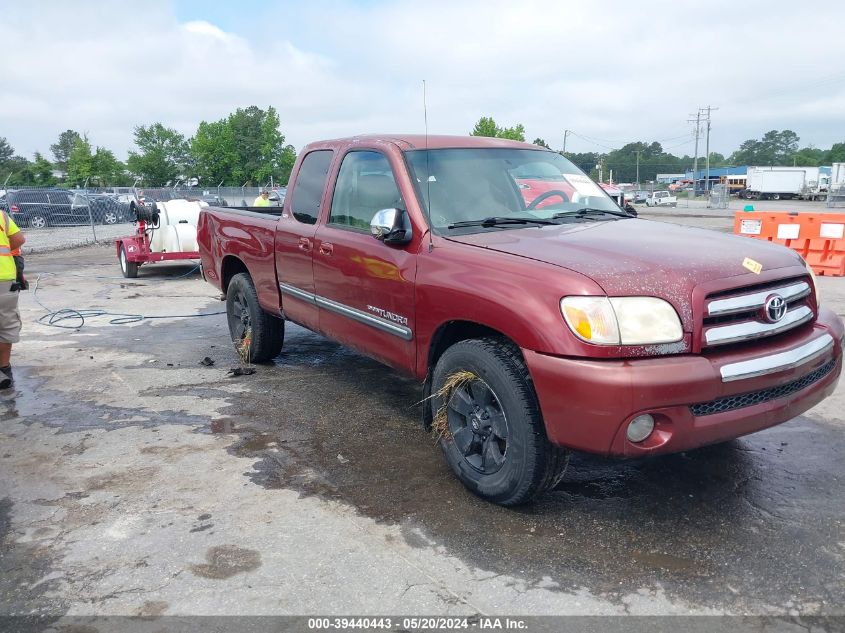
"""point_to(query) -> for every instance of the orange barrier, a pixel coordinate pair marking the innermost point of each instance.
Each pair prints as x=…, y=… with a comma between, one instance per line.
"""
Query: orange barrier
x=818, y=237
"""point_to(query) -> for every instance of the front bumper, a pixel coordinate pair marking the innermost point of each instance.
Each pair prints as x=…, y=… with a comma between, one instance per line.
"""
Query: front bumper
x=695, y=399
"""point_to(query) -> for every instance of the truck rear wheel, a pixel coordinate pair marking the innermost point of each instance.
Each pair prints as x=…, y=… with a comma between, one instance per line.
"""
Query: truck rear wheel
x=258, y=336
x=491, y=429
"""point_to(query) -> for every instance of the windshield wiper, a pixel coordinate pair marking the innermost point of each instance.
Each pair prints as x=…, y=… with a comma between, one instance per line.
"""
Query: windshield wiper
x=589, y=211
x=497, y=221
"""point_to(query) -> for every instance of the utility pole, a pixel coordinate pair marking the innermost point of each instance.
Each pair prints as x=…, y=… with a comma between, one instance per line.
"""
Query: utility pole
x=565, y=134
x=707, y=146
x=695, y=159
x=638, y=152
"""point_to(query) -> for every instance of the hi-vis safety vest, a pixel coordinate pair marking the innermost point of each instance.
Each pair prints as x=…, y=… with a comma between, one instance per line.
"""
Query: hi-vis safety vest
x=8, y=271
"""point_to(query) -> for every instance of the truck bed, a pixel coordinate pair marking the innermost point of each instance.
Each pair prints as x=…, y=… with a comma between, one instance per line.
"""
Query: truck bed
x=244, y=236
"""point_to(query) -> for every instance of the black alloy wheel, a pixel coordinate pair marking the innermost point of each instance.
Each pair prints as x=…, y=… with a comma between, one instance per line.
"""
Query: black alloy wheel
x=240, y=321
x=478, y=426
x=244, y=315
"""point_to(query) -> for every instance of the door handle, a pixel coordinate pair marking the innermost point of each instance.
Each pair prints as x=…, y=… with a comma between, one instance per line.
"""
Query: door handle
x=305, y=244
x=326, y=248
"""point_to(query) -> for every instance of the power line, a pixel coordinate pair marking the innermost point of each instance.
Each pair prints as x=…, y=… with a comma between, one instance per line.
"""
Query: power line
x=793, y=89
x=594, y=141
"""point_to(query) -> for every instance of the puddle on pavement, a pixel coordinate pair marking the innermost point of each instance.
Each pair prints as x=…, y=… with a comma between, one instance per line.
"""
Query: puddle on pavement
x=762, y=514
x=755, y=521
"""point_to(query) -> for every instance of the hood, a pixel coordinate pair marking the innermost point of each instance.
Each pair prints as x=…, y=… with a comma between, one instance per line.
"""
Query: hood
x=638, y=257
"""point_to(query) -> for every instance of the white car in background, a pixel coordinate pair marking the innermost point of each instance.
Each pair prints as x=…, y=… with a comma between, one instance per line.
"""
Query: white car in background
x=661, y=199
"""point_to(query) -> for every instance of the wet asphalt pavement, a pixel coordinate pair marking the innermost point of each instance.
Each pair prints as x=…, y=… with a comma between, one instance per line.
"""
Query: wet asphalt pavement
x=134, y=480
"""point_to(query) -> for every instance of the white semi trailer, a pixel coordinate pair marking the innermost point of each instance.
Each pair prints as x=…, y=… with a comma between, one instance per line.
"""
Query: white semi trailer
x=776, y=183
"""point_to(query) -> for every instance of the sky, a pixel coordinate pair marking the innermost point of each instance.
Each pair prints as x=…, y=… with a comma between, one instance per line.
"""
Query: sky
x=610, y=71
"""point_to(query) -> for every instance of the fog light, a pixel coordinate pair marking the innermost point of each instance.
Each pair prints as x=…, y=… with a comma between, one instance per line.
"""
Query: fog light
x=640, y=427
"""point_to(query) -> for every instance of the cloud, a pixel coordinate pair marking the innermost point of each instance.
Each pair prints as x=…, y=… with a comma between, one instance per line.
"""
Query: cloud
x=608, y=70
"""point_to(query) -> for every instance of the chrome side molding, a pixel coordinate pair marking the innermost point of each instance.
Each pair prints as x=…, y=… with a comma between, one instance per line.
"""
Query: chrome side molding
x=293, y=291
x=366, y=318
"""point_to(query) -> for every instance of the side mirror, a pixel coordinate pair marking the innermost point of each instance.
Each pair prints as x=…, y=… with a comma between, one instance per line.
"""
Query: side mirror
x=391, y=226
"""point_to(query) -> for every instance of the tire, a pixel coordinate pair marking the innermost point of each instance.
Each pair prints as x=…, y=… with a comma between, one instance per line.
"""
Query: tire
x=129, y=269
x=508, y=462
x=110, y=217
x=37, y=221
x=775, y=196
x=244, y=312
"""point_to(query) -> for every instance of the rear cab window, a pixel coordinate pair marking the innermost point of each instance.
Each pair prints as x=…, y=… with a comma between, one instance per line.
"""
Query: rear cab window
x=309, y=185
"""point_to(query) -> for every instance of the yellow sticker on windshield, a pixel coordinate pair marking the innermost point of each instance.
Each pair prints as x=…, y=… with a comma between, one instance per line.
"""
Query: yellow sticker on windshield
x=754, y=267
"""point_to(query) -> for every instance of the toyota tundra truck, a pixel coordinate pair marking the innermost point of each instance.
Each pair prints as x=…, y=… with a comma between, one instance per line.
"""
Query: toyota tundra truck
x=536, y=325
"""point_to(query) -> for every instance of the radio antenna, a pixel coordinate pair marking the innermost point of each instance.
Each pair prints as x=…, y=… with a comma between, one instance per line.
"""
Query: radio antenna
x=427, y=172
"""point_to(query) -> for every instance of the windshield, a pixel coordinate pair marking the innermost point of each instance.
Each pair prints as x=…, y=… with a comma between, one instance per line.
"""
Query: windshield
x=465, y=185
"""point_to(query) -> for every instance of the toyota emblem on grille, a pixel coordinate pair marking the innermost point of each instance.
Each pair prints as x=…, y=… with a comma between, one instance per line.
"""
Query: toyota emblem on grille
x=775, y=308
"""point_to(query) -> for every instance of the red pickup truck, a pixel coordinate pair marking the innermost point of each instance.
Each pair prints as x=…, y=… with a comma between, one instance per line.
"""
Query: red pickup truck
x=536, y=327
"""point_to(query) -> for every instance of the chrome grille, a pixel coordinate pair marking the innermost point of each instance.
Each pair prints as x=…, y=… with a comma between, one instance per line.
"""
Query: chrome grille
x=739, y=316
x=739, y=401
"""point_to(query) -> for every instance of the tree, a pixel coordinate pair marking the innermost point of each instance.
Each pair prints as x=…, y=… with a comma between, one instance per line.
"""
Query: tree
x=245, y=147
x=717, y=160
x=486, y=126
x=163, y=157
x=541, y=143
x=80, y=163
x=213, y=151
x=586, y=161
x=836, y=154
x=515, y=133
x=19, y=171
x=63, y=147
x=6, y=150
x=809, y=157
x=42, y=169
x=107, y=169
x=775, y=148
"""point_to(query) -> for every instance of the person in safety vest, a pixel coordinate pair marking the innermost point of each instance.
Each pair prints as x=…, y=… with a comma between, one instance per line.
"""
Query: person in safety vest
x=11, y=240
x=263, y=200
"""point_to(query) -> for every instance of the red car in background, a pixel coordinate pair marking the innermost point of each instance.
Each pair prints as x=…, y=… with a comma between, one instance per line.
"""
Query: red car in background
x=538, y=180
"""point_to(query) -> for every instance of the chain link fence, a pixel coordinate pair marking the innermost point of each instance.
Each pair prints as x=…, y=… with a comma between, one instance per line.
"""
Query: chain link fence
x=719, y=197
x=214, y=196
x=836, y=196
x=55, y=218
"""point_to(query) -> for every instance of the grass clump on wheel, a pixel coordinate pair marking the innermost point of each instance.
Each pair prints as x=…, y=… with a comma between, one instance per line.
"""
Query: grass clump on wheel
x=440, y=422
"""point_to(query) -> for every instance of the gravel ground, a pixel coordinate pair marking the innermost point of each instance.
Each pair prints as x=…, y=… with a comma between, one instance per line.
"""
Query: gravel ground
x=135, y=481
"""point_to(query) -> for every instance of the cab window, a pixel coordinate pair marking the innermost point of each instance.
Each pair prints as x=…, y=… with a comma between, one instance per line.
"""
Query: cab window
x=365, y=185
x=309, y=185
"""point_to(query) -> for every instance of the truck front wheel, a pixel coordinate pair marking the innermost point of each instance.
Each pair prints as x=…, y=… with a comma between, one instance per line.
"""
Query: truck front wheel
x=257, y=336
x=489, y=423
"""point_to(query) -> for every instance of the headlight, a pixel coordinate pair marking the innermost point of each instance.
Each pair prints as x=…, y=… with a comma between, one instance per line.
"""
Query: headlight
x=815, y=283
x=622, y=320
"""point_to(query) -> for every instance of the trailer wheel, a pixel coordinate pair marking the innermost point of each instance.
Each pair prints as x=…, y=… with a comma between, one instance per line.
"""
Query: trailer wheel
x=129, y=269
x=775, y=196
x=253, y=331
x=491, y=430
